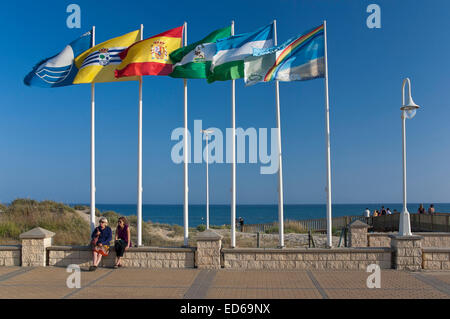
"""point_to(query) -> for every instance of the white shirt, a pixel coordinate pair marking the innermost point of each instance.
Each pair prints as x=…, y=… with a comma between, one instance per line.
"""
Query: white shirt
x=367, y=213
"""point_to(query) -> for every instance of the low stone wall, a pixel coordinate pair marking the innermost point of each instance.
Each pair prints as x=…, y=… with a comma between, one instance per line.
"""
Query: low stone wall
x=142, y=257
x=307, y=258
x=379, y=240
x=10, y=255
x=436, y=258
x=430, y=239
x=435, y=240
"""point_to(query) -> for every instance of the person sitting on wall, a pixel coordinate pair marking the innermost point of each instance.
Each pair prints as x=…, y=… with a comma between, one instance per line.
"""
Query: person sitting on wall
x=101, y=237
x=421, y=209
x=123, y=239
x=431, y=209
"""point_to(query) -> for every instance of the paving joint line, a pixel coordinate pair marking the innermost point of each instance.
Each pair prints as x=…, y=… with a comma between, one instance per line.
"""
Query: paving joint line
x=317, y=285
x=434, y=282
x=15, y=273
x=201, y=285
x=77, y=290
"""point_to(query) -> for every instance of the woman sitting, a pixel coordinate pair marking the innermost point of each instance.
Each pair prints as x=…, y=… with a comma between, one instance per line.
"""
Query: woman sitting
x=101, y=237
x=123, y=239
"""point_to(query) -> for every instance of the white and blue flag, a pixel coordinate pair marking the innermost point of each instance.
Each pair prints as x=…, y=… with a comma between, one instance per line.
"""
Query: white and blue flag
x=59, y=70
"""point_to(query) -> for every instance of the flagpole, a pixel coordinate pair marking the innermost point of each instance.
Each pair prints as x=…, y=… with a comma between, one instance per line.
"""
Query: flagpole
x=139, y=186
x=280, y=170
x=93, y=145
x=233, y=155
x=327, y=136
x=186, y=151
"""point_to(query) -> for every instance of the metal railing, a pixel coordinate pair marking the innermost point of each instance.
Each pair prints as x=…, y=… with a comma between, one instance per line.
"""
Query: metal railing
x=437, y=222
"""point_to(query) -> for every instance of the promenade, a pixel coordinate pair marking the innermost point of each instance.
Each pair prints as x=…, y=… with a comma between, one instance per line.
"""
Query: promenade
x=50, y=283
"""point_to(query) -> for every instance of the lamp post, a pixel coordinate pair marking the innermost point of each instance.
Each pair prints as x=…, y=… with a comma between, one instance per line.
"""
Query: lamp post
x=408, y=111
x=206, y=132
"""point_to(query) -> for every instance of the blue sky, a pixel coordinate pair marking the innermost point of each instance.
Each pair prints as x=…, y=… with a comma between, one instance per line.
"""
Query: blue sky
x=45, y=133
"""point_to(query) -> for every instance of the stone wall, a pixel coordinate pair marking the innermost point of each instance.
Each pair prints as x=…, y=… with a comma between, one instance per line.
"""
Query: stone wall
x=379, y=239
x=436, y=258
x=406, y=252
x=430, y=239
x=307, y=258
x=10, y=255
x=142, y=257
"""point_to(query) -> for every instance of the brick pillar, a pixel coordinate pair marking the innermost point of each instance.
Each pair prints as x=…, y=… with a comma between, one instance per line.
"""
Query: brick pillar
x=357, y=236
x=406, y=252
x=34, y=247
x=207, y=255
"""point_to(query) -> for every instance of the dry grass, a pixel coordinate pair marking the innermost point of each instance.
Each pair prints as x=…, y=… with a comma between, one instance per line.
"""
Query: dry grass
x=25, y=214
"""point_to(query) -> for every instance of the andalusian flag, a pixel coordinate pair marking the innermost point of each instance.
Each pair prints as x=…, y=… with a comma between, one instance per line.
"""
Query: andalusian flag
x=98, y=63
x=228, y=62
x=298, y=59
x=194, y=61
x=150, y=56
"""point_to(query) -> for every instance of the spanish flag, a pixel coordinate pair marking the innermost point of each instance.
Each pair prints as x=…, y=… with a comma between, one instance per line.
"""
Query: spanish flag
x=150, y=56
x=99, y=63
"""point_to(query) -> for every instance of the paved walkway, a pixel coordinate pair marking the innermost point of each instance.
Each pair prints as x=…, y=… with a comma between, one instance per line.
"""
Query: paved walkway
x=50, y=282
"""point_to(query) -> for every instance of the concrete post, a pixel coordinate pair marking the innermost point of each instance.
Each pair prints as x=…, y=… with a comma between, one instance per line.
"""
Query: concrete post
x=406, y=252
x=34, y=247
x=358, y=234
x=207, y=255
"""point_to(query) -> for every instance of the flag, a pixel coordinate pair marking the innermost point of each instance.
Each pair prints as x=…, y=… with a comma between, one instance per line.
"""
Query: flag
x=228, y=62
x=98, y=63
x=150, y=56
x=194, y=61
x=59, y=70
x=298, y=59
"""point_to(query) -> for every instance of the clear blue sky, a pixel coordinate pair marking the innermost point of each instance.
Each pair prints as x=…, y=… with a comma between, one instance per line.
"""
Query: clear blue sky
x=45, y=133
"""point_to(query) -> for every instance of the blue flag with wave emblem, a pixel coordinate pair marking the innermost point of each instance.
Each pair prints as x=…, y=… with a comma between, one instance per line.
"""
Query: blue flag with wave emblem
x=59, y=70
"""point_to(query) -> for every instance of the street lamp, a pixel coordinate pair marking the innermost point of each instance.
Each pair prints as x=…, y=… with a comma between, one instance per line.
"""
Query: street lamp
x=408, y=112
x=206, y=132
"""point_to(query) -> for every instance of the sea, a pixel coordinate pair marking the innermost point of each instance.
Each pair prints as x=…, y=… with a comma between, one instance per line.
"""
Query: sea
x=252, y=214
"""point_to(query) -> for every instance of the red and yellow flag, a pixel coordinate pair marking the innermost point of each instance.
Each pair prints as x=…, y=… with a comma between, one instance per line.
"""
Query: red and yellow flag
x=150, y=56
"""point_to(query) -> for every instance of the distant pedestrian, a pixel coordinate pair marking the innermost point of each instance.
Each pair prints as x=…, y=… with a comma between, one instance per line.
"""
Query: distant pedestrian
x=431, y=209
x=375, y=213
x=241, y=222
x=388, y=212
x=123, y=239
x=421, y=210
x=100, y=241
x=383, y=211
x=367, y=213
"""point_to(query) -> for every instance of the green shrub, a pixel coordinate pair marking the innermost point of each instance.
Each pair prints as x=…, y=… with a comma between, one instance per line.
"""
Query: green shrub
x=201, y=227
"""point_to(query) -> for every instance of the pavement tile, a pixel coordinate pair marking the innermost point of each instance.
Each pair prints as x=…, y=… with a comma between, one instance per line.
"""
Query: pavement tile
x=268, y=293
x=129, y=293
x=51, y=276
x=380, y=293
x=262, y=279
x=7, y=270
x=358, y=280
x=130, y=277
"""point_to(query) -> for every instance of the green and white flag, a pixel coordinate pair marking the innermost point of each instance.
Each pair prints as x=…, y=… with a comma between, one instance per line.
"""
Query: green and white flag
x=228, y=62
x=194, y=61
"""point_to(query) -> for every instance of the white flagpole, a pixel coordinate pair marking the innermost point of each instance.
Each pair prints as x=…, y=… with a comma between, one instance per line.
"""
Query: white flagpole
x=280, y=170
x=327, y=136
x=233, y=155
x=186, y=186
x=93, y=145
x=139, y=186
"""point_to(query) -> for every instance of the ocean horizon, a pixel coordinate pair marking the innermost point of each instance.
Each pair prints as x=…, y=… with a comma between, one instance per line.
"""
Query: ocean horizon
x=253, y=214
